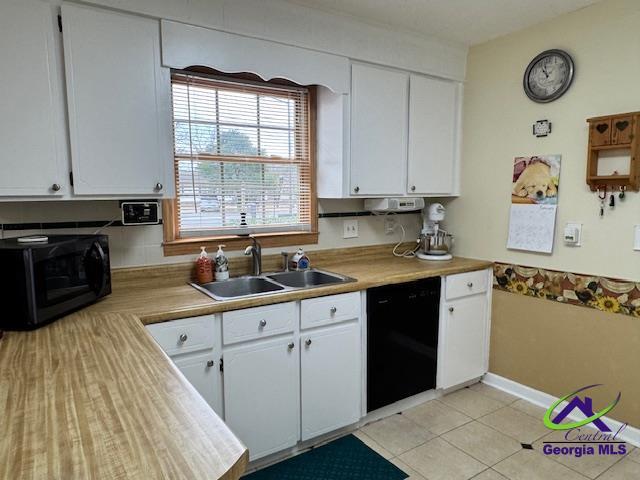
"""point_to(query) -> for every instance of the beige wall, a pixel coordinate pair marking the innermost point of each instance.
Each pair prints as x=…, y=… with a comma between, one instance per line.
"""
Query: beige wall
x=559, y=348
x=546, y=345
x=604, y=40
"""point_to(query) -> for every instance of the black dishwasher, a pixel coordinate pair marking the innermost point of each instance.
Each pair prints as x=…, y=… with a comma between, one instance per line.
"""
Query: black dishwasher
x=402, y=340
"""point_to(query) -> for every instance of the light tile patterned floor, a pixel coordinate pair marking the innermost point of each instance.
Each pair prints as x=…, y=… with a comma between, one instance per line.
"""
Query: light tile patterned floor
x=476, y=433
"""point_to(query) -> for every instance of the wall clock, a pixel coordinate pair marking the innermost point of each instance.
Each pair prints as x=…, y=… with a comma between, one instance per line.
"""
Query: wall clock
x=548, y=76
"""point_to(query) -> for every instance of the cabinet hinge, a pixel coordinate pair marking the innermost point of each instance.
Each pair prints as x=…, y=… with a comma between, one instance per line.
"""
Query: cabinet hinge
x=60, y=23
x=71, y=178
x=221, y=364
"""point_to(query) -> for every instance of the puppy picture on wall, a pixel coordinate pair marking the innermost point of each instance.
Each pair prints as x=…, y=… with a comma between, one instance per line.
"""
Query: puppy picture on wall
x=536, y=180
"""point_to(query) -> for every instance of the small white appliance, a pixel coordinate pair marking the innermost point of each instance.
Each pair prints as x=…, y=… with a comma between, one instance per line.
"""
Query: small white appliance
x=389, y=205
x=435, y=242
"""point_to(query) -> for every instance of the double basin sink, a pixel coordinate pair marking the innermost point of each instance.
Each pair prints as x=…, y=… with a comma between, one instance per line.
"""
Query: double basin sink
x=269, y=283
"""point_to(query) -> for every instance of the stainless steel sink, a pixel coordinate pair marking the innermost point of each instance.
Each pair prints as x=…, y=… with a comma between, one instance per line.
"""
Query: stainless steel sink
x=307, y=278
x=239, y=287
x=250, y=286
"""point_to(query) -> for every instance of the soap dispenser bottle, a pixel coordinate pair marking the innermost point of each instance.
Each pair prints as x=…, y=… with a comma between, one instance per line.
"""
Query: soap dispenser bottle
x=300, y=261
x=204, y=267
x=221, y=265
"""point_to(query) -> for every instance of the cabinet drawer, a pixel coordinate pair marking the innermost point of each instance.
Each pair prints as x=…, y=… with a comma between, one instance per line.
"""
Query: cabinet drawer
x=185, y=335
x=332, y=309
x=243, y=325
x=464, y=284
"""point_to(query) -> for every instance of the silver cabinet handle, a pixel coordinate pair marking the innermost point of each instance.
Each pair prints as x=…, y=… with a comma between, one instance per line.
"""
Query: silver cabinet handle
x=413, y=188
x=291, y=345
x=333, y=310
x=159, y=187
x=451, y=309
x=210, y=364
x=470, y=284
x=356, y=189
x=56, y=187
x=307, y=342
x=263, y=323
x=183, y=337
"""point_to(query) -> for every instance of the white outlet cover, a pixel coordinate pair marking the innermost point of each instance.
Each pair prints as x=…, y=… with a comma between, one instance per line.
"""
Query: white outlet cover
x=636, y=237
x=350, y=229
x=389, y=225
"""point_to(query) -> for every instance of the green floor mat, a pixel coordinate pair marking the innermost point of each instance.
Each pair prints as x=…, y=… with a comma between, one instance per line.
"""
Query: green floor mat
x=344, y=459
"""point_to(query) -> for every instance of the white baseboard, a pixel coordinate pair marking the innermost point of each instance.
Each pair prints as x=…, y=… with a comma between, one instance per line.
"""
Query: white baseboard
x=629, y=434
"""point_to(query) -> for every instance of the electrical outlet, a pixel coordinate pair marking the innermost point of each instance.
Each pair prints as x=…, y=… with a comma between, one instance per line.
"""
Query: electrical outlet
x=350, y=229
x=636, y=237
x=389, y=225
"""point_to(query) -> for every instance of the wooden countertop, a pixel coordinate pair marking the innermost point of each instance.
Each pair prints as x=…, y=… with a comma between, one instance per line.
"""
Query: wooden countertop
x=93, y=396
x=169, y=302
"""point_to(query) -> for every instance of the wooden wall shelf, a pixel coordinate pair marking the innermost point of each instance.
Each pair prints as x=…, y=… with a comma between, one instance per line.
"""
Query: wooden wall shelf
x=609, y=133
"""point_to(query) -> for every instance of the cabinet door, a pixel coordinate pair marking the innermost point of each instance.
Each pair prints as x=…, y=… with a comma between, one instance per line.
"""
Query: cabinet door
x=202, y=371
x=378, y=130
x=32, y=120
x=331, y=377
x=119, y=103
x=261, y=395
x=463, y=341
x=433, y=126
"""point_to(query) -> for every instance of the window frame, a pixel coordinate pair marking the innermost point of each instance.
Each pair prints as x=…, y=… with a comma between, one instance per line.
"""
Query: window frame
x=175, y=244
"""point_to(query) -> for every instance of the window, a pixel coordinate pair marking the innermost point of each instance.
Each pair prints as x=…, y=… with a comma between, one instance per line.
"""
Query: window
x=243, y=158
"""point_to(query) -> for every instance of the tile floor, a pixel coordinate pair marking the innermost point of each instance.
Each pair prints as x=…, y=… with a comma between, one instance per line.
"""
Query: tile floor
x=477, y=433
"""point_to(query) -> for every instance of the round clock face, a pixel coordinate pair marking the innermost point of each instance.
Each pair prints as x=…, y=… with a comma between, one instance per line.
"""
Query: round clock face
x=548, y=76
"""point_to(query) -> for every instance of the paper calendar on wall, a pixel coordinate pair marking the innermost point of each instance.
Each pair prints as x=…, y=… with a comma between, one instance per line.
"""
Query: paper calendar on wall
x=534, y=201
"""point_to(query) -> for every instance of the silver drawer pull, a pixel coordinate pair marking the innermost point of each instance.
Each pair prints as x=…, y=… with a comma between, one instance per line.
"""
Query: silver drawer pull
x=210, y=364
x=183, y=337
x=470, y=284
x=307, y=342
x=333, y=310
x=263, y=323
x=451, y=309
x=291, y=345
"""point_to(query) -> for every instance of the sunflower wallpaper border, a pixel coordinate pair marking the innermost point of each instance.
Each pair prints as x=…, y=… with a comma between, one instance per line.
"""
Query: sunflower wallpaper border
x=602, y=293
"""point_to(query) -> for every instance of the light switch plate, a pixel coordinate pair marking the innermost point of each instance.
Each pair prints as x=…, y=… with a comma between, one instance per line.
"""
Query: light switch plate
x=350, y=229
x=573, y=227
x=636, y=237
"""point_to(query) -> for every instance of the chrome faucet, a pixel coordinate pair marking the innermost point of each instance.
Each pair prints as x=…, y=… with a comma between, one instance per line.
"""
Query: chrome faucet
x=255, y=251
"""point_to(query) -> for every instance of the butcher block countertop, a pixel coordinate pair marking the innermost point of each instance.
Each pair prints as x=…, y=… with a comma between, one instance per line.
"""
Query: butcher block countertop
x=93, y=396
x=161, y=299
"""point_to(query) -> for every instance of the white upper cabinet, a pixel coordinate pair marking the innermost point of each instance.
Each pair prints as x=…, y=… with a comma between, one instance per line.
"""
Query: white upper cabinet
x=119, y=103
x=378, y=130
x=433, y=139
x=32, y=117
x=397, y=135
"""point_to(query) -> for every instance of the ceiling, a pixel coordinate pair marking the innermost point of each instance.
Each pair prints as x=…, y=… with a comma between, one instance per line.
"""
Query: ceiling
x=468, y=22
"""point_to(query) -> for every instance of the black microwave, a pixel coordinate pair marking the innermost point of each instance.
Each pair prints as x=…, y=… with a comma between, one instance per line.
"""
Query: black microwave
x=45, y=280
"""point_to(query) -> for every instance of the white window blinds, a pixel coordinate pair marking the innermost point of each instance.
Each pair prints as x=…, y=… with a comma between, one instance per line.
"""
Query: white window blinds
x=242, y=158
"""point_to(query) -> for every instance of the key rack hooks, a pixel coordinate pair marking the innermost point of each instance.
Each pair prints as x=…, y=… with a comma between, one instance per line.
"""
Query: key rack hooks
x=612, y=134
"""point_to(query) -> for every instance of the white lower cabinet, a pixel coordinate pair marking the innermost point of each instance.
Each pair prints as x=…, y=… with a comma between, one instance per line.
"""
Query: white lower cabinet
x=294, y=385
x=463, y=346
x=261, y=395
x=330, y=378
x=191, y=344
x=201, y=370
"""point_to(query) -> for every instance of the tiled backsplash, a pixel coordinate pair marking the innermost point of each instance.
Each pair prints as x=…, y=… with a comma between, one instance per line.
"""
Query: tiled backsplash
x=142, y=245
